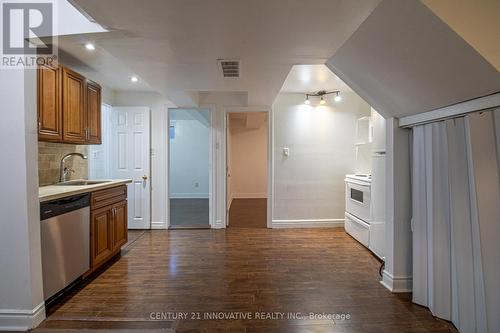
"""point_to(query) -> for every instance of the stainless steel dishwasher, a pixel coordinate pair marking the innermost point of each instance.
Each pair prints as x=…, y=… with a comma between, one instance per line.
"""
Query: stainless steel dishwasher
x=65, y=237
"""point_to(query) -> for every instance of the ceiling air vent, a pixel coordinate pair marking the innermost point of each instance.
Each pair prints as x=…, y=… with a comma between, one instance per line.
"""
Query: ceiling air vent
x=229, y=67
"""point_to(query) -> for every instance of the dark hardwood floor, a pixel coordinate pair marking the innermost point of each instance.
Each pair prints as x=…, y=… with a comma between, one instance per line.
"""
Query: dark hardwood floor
x=189, y=213
x=248, y=213
x=245, y=270
x=133, y=235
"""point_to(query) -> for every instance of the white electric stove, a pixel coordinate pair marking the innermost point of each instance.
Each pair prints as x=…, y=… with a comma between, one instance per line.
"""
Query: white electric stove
x=358, y=207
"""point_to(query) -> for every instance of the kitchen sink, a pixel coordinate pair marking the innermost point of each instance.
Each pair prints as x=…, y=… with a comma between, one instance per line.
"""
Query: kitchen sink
x=83, y=182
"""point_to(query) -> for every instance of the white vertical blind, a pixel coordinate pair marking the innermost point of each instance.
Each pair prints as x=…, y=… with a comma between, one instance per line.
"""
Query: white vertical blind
x=456, y=220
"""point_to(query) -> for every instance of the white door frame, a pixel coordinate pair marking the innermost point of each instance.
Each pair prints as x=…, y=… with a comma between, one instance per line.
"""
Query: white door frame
x=211, y=173
x=270, y=164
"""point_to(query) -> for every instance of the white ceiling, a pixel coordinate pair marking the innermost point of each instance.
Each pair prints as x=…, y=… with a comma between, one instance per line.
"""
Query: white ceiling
x=68, y=21
x=404, y=60
x=173, y=45
x=71, y=21
x=312, y=78
x=98, y=65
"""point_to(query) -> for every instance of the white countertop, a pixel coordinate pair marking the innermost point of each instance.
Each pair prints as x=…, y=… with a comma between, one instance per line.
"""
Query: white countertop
x=51, y=192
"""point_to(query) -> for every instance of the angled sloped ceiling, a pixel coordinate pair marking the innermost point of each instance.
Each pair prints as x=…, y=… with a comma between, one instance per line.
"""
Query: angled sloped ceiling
x=403, y=60
x=478, y=22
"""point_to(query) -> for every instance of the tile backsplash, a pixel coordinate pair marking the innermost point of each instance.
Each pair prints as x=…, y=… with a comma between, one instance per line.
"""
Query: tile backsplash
x=49, y=157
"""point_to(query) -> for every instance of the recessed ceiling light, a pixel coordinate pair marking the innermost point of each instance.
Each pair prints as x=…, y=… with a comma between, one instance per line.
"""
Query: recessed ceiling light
x=90, y=46
x=134, y=79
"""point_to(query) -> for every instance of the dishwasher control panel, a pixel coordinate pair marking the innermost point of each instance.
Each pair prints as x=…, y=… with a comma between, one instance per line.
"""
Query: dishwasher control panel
x=64, y=205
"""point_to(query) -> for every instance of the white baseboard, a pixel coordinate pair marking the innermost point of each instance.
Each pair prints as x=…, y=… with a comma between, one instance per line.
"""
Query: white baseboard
x=21, y=320
x=249, y=196
x=319, y=223
x=188, y=195
x=397, y=284
x=218, y=225
x=158, y=225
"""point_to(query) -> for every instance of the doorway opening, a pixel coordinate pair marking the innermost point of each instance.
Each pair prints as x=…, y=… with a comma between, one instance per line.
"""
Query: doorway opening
x=189, y=168
x=247, y=169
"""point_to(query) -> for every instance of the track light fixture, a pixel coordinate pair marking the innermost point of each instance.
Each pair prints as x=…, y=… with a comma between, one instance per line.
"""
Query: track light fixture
x=337, y=97
x=320, y=94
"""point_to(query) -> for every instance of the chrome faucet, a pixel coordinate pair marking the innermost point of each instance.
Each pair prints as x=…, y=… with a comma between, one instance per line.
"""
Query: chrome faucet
x=63, y=170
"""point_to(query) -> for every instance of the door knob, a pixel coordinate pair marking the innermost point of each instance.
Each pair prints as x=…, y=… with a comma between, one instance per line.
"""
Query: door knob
x=145, y=177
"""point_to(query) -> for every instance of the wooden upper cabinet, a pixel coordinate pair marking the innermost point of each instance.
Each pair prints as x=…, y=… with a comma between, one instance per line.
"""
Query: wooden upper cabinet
x=69, y=107
x=93, y=104
x=74, y=113
x=50, y=120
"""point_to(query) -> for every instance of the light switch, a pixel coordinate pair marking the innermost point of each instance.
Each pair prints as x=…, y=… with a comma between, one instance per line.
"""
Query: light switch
x=286, y=151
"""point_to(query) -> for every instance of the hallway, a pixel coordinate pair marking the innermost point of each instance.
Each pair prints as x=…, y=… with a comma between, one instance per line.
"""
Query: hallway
x=189, y=213
x=248, y=213
x=248, y=270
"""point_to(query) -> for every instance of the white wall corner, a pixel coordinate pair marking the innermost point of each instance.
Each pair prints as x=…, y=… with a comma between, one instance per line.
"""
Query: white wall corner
x=159, y=225
x=21, y=320
x=21, y=287
x=318, y=223
x=397, y=275
x=397, y=284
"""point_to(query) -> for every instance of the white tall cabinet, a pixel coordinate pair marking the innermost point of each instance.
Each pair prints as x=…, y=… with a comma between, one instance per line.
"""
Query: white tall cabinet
x=377, y=225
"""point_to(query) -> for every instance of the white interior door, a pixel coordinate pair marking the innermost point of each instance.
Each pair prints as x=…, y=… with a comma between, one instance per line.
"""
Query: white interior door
x=130, y=147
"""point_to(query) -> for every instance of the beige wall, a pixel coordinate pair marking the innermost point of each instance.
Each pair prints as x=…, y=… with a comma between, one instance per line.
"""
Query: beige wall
x=49, y=157
x=248, y=155
x=475, y=21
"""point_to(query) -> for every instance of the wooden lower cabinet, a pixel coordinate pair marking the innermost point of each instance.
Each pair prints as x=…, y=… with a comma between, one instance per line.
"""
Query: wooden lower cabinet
x=108, y=225
x=120, y=227
x=101, y=236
